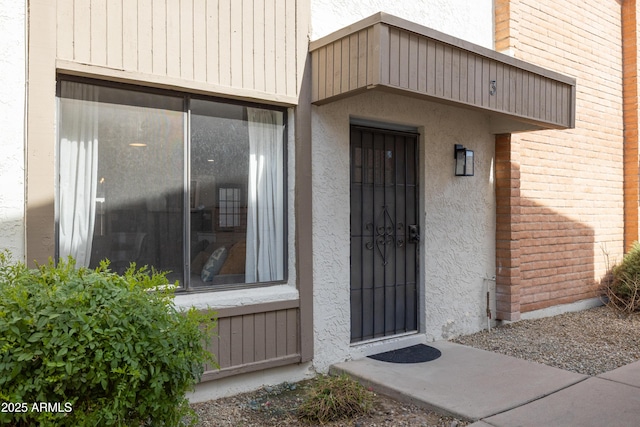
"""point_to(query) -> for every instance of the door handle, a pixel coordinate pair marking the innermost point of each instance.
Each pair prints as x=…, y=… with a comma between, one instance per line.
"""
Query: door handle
x=414, y=234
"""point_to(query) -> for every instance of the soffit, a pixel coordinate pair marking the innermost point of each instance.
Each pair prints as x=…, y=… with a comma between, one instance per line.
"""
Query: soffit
x=384, y=52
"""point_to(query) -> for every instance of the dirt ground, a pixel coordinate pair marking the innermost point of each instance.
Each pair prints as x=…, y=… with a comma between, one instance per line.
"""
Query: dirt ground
x=276, y=406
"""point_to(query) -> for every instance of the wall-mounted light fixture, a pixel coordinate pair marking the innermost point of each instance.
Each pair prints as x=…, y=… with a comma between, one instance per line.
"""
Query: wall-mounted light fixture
x=464, y=161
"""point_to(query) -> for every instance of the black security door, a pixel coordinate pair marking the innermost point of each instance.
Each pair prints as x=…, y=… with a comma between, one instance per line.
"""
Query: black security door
x=384, y=232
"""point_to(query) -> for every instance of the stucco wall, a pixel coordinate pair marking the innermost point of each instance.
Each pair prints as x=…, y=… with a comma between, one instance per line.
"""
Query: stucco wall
x=468, y=20
x=457, y=219
x=12, y=107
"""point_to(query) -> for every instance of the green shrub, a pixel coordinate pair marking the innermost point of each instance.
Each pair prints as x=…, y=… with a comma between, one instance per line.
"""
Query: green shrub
x=335, y=398
x=82, y=347
x=621, y=288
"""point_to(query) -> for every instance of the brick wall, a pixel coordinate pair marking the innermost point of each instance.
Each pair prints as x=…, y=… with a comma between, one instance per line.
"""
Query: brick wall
x=571, y=181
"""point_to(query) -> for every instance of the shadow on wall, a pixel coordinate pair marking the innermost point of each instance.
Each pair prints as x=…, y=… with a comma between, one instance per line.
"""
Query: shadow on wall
x=40, y=232
x=557, y=260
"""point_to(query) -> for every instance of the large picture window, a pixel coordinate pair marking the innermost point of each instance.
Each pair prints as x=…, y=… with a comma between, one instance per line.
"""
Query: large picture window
x=189, y=185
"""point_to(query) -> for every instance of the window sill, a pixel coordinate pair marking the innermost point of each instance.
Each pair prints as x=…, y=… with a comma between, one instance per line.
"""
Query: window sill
x=237, y=297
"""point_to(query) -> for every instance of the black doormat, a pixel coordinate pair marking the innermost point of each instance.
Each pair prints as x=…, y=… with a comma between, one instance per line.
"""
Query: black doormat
x=415, y=354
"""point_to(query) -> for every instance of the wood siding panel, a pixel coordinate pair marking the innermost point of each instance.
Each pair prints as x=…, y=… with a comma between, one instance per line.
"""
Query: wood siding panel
x=255, y=336
x=129, y=35
x=98, y=37
x=244, y=44
x=414, y=61
x=145, y=36
x=158, y=38
x=114, y=33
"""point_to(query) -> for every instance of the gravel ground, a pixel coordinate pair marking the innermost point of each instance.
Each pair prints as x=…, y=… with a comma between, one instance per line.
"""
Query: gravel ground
x=588, y=342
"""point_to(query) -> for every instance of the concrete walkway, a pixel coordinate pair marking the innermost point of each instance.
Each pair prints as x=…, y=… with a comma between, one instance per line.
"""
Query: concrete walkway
x=502, y=391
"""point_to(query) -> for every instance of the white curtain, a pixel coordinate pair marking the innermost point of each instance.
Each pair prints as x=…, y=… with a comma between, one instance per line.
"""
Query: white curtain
x=78, y=157
x=265, y=216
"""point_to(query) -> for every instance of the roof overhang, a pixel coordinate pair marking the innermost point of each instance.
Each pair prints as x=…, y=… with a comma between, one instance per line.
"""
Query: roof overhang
x=384, y=52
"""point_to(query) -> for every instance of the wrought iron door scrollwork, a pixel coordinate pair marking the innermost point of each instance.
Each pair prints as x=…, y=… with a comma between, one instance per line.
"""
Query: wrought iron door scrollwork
x=384, y=235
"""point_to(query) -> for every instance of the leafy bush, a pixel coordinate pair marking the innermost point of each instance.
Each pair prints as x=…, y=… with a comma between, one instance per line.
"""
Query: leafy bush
x=82, y=347
x=335, y=398
x=621, y=288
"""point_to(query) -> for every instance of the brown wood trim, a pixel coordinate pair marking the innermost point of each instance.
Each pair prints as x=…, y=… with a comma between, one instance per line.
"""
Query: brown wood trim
x=528, y=96
x=630, y=118
x=250, y=367
x=304, y=214
x=243, y=310
x=385, y=18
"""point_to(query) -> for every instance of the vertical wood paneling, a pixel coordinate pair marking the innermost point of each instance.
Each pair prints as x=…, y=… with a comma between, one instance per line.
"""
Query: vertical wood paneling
x=403, y=63
x=280, y=45
x=322, y=72
x=281, y=333
x=271, y=328
x=394, y=57
x=145, y=36
x=236, y=341
x=82, y=31
x=64, y=40
x=248, y=39
x=98, y=39
x=414, y=58
x=337, y=67
x=292, y=331
x=258, y=48
x=407, y=60
x=492, y=100
x=439, y=66
x=471, y=82
x=353, y=61
x=173, y=37
x=431, y=67
x=376, y=39
x=186, y=39
x=345, y=62
x=248, y=338
x=260, y=345
x=329, y=70
x=455, y=75
x=315, y=71
x=270, y=47
x=422, y=65
x=130, y=34
x=484, y=82
x=114, y=33
x=291, y=63
x=362, y=58
x=200, y=40
x=464, y=70
x=213, y=41
x=447, y=71
x=223, y=355
x=477, y=85
x=158, y=37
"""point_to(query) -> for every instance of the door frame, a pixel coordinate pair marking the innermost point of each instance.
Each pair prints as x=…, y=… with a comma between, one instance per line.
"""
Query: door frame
x=415, y=325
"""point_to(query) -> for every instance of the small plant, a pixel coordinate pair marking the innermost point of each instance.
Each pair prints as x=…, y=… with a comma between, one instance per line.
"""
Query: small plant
x=335, y=398
x=621, y=287
x=83, y=347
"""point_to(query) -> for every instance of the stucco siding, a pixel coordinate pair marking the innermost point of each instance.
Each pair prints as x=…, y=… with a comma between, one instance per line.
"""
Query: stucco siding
x=12, y=110
x=457, y=219
x=468, y=20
